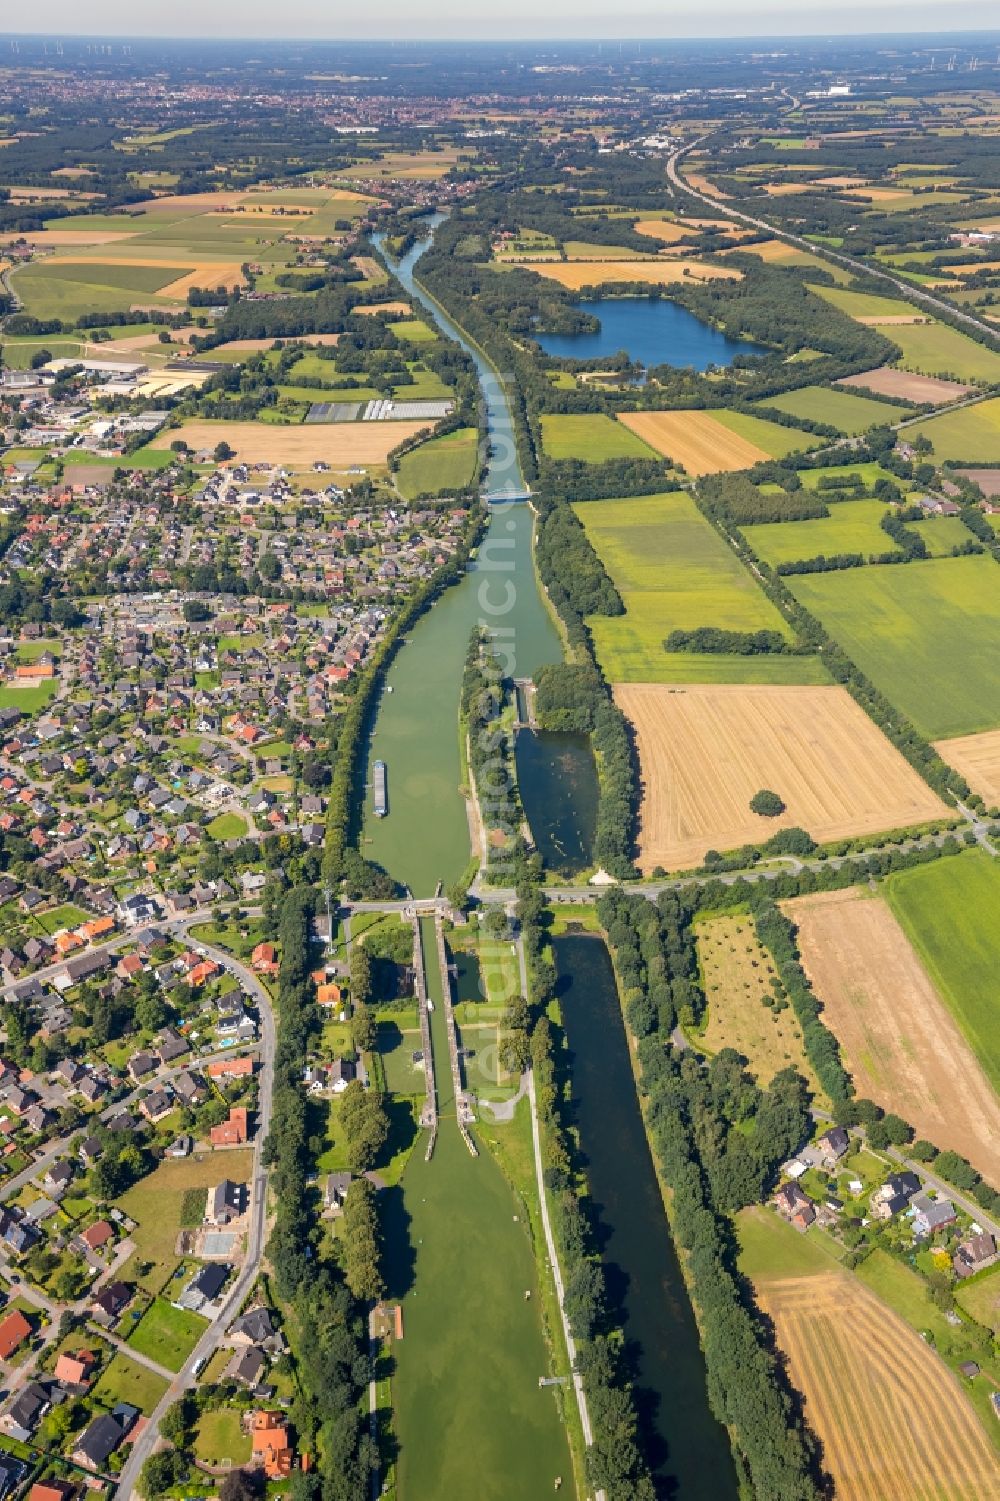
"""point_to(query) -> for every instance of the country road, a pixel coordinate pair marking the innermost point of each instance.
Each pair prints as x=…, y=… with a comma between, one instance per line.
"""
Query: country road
x=861, y=268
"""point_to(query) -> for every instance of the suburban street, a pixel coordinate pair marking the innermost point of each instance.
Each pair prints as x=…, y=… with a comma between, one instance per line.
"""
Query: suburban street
x=256, y=1232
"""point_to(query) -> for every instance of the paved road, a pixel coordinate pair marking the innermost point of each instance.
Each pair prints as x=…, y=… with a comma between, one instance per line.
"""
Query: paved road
x=862, y=268
x=213, y=1336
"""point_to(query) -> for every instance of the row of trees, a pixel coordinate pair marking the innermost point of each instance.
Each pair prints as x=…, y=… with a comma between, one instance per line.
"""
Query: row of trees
x=491, y=745
x=333, y=1365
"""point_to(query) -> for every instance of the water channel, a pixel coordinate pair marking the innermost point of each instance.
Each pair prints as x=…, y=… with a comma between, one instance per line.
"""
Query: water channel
x=687, y=1447
x=425, y=838
x=652, y=330
x=449, y=1230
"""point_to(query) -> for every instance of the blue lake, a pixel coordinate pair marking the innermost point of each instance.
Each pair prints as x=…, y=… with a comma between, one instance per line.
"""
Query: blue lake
x=652, y=330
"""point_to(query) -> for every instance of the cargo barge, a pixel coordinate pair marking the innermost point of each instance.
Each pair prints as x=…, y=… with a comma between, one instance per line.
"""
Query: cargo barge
x=380, y=789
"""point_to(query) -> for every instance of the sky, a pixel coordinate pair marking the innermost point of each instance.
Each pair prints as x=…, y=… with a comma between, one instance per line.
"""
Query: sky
x=501, y=18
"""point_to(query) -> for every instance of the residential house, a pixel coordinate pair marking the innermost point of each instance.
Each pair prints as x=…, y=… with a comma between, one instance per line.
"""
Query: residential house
x=271, y=1445
x=110, y=1303
x=226, y=1202
x=832, y=1145
x=26, y=1411
x=795, y=1205
x=14, y=1330
x=231, y=1068
x=975, y=1253
x=52, y=1490
x=75, y=1370
x=204, y=1287
x=930, y=1214
x=96, y=1237
x=232, y=1133
x=99, y=1441
x=246, y=1367
x=893, y=1195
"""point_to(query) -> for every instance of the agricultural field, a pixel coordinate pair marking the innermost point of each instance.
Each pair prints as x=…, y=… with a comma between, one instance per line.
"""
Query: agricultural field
x=850, y=414
x=866, y=307
x=445, y=463
x=970, y=435
x=673, y=572
x=948, y=912
x=927, y=635
x=704, y=752
x=941, y=534
x=339, y=444
x=852, y=526
x=902, y=384
x=936, y=349
x=876, y=1394
x=715, y=441
x=591, y=437
x=661, y=273
x=977, y=757
x=738, y=977
x=900, y=1043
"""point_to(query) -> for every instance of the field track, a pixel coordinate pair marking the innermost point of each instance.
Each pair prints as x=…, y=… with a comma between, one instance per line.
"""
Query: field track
x=704, y=752
x=695, y=440
x=900, y=1042
x=892, y=1419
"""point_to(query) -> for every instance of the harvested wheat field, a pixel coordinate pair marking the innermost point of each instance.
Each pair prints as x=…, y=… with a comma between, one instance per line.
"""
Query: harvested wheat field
x=705, y=750
x=977, y=757
x=339, y=444
x=577, y=274
x=695, y=440
x=878, y=320
x=739, y=980
x=917, y=388
x=68, y=237
x=397, y=309
x=900, y=1042
x=892, y=1419
x=206, y=274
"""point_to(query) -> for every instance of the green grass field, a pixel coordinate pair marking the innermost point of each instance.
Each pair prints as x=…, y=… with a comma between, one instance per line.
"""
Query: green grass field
x=949, y=913
x=971, y=434
x=980, y=1298
x=770, y=1247
x=936, y=349
x=927, y=635
x=851, y=414
x=30, y=700
x=415, y=330
x=591, y=437
x=673, y=572
x=868, y=474
x=445, y=463
x=941, y=534
x=852, y=526
x=167, y=1334
x=866, y=304
x=219, y=1436
x=53, y=296
x=125, y=1380
x=469, y=1414
x=775, y=440
x=228, y=826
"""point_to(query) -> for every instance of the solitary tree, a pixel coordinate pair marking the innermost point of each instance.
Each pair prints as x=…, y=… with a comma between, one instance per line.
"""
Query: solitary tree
x=766, y=803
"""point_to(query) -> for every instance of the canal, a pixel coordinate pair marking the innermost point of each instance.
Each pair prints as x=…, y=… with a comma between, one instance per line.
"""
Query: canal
x=470, y=1417
x=425, y=838
x=687, y=1448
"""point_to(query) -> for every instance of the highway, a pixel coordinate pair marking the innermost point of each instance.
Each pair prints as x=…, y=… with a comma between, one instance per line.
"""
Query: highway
x=860, y=268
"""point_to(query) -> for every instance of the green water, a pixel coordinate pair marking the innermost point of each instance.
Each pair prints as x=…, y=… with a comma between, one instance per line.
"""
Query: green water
x=470, y=1417
x=424, y=838
x=687, y=1448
